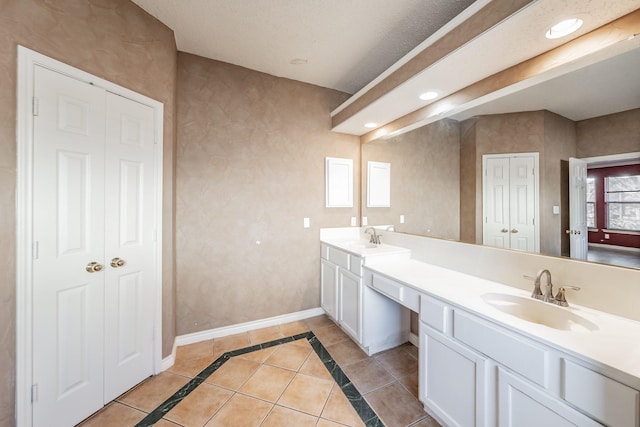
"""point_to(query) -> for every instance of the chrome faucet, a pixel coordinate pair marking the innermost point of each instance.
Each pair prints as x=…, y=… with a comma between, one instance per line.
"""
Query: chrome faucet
x=375, y=238
x=537, y=293
x=560, y=299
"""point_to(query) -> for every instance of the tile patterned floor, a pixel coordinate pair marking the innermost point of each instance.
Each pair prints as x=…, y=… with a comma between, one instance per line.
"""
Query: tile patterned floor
x=281, y=385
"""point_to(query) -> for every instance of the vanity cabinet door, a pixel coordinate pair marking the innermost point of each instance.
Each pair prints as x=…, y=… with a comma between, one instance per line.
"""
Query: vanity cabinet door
x=350, y=303
x=521, y=404
x=329, y=288
x=453, y=381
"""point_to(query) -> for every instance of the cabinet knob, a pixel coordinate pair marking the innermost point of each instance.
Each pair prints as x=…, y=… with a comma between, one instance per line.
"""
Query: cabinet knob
x=504, y=230
x=515, y=230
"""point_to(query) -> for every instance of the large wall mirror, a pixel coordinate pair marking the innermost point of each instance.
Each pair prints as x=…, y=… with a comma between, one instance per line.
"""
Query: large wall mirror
x=591, y=113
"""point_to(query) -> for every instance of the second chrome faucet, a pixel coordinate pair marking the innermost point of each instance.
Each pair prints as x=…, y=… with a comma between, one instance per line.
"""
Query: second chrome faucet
x=548, y=296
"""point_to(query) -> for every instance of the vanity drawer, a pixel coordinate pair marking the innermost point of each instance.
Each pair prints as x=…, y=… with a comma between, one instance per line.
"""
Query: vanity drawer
x=511, y=350
x=338, y=257
x=604, y=399
x=355, y=265
x=397, y=291
x=435, y=314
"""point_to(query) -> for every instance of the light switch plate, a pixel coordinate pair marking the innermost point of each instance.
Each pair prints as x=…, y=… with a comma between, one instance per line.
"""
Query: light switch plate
x=306, y=223
x=353, y=221
x=401, y=219
x=556, y=210
x=364, y=221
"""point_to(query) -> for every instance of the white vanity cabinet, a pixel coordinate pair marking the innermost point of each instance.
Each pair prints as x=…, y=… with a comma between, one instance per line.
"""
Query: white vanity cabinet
x=474, y=372
x=373, y=321
x=454, y=381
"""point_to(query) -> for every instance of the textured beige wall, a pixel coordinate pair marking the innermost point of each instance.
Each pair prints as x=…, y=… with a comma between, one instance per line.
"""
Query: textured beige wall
x=559, y=145
x=112, y=39
x=250, y=167
x=425, y=180
x=612, y=134
x=470, y=189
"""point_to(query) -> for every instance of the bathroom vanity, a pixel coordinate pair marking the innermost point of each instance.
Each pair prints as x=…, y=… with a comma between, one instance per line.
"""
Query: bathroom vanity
x=489, y=354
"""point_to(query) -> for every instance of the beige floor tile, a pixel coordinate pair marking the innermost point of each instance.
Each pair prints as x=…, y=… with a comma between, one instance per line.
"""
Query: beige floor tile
x=281, y=416
x=339, y=409
x=231, y=342
x=288, y=356
x=259, y=355
x=395, y=406
x=326, y=423
x=368, y=375
x=114, y=415
x=199, y=406
x=410, y=382
x=426, y=422
x=241, y=411
x=410, y=348
x=398, y=362
x=191, y=367
x=268, y=383
x=318, y=322
x=330, y=335
x=259, y=336
x=302, y=343
x=235, y=372
x=313, y=366
x=346, y=352
x=306, y=394
x=151, y=393
x=294, y=328
x=166, y=423
x=194, y=351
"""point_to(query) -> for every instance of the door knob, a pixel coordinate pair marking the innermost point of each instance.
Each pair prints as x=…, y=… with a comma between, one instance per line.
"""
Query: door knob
x=567, y=231
x=94, y=267
x=514, y=230
x=117, y=262
x=504, y=230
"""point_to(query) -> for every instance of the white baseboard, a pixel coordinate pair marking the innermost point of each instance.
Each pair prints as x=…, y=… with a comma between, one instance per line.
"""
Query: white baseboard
x=224, y=331
x=413, y=339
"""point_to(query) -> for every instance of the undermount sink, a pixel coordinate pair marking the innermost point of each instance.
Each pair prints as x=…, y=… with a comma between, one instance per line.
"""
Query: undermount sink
x=361, y=244
x=539, y=312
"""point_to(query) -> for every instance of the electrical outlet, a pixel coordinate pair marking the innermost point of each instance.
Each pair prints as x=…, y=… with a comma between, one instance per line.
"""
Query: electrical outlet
x=306, y=223
x=401, y=219
x=364, y=221
x=606, y=236
x=353, y=221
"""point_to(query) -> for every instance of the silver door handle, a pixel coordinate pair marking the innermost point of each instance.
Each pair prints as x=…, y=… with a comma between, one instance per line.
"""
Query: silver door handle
x=117, y=262
x=515, y=230
x=94, y=267
x=504, y=230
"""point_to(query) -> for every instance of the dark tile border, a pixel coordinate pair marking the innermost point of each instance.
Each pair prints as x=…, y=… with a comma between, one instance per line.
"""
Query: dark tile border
x=358, y=402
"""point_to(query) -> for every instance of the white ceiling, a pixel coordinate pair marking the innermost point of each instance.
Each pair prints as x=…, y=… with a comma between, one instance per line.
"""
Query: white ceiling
x=605, y=87
x=512, y=41
x=346, y=43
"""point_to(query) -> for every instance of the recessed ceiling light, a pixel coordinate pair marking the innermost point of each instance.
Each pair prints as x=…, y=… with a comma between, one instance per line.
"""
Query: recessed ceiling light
x=370, y=125
x=564, y=28
x=427, y=96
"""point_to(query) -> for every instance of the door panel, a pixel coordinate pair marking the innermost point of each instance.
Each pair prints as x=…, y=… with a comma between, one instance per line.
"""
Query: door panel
x=130, y=237
x=578, y=238
x=68, y=217
x=496, y=187
x=522, y=203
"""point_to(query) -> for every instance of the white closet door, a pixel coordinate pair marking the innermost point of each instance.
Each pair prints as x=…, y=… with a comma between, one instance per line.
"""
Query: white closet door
x=509, y=202
x=579, y=233
x=130, y=241
x=522, y=204
x=68, y=206
x=496, y=230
